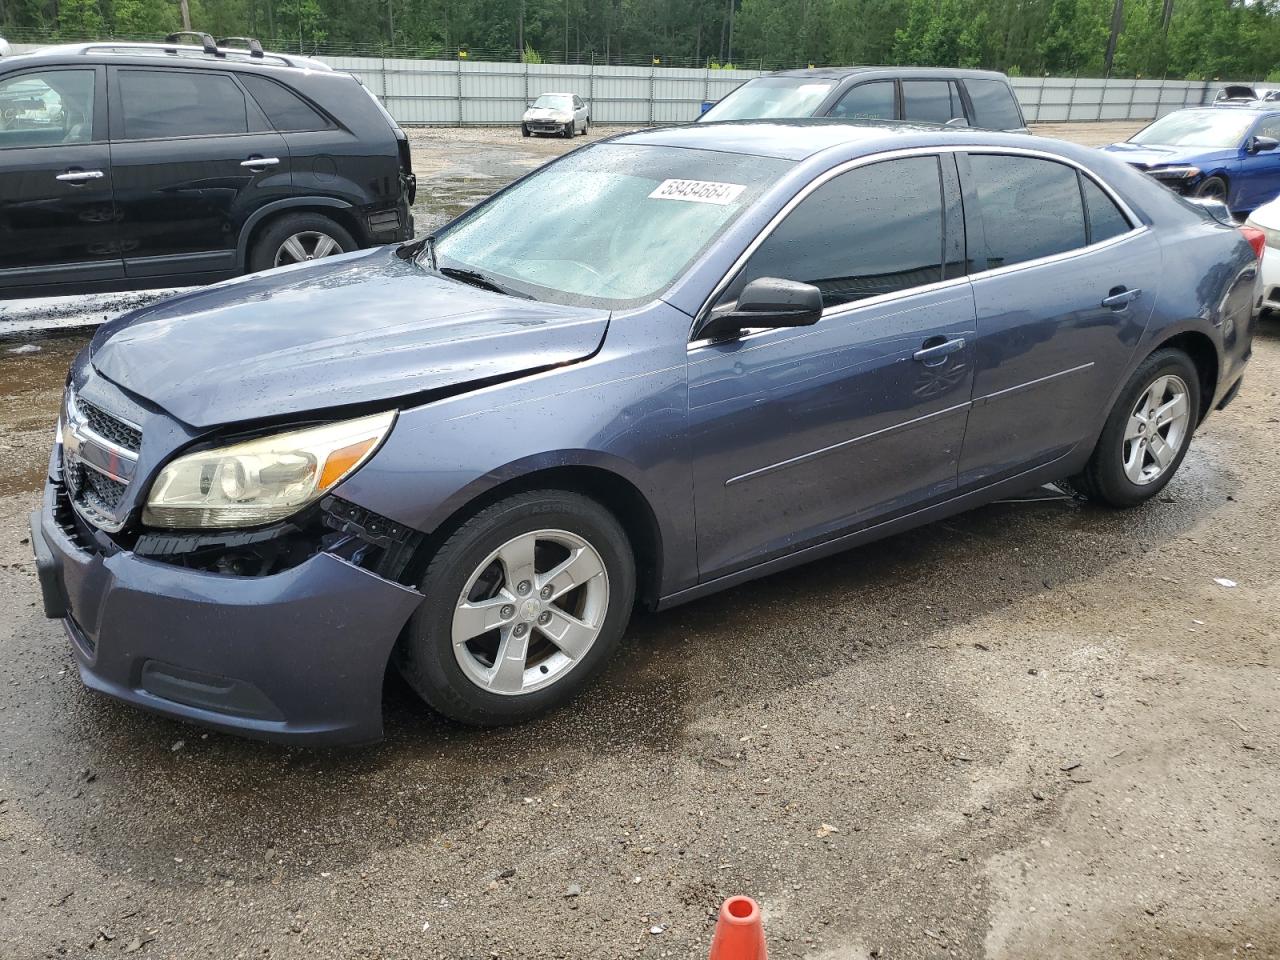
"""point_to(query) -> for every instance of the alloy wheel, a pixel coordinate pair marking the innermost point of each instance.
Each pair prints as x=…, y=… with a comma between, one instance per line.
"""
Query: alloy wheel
x=1157, y=429
x=530, y=612
x=304, y=246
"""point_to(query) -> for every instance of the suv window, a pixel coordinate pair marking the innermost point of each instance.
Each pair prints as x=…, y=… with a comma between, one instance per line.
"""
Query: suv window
x=993, y=105
x=1105, y=219
x=867, y=101
x=1030, y=208
x=285, y=109
x=178, y=103
x=876, y=229
x=932, y=101
x=40, y=109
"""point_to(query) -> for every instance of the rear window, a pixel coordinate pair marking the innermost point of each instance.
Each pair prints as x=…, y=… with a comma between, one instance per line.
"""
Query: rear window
x=174, y=103
x=285, y=109
x=993, y=105
x=1105, y=219
x=1030, y=208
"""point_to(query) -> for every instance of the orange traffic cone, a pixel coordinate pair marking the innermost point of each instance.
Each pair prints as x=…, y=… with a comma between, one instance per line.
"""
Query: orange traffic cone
x=739, y=932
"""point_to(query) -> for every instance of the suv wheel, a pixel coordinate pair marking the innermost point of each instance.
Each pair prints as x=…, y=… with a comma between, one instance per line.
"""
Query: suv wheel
x=297, y=238
x=523, y=605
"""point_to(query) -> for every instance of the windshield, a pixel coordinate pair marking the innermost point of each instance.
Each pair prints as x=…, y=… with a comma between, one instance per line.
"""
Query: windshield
x=772, y=97
x=610, y=225
x=554, y=101
x=1197, y=128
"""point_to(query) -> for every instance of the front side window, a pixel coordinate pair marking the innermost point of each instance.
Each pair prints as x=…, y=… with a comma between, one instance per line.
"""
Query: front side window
x=1223, y=129
x=873, y=230
x=1030, y=208
x=931, y=101
x=994, y=106
x=284, y=108
x=47, y=108
x=1268, y=127
x=772, y=97
x=178, y=103
x=867, y=101
x=611, y=225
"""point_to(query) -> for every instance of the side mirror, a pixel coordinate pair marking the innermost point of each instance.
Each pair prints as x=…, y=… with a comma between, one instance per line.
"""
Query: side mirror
x=767, y=302
x=1259, y=144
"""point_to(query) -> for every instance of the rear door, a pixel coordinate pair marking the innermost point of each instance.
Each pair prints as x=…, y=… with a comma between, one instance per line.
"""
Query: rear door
x=1064, y=283
x=57, y=220
x=192, y=157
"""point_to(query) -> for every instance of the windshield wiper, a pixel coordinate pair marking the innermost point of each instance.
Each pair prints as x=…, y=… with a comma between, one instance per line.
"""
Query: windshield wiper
x=410, y=249
x=477, y=279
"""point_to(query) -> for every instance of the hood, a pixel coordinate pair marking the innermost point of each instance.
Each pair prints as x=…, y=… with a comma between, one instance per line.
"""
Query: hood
x=361, y=328
x=547, y=113
x=1145, y=156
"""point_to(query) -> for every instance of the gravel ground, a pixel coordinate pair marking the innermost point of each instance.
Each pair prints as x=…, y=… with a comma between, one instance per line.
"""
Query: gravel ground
x=1039, y=729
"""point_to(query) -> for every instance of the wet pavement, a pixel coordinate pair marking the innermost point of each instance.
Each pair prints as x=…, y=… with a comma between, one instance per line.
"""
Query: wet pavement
x=1033, y=730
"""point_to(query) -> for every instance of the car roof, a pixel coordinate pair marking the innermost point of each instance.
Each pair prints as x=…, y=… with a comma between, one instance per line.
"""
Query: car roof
x=803, y=137
x=170, y=54
x=840, y=73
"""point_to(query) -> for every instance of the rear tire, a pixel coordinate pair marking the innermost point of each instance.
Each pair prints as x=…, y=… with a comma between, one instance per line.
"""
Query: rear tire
x=1129, y=465
x=313, y=233
x=454, y=661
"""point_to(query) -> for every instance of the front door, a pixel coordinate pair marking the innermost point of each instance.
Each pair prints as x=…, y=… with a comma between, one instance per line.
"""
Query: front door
x=1064, y=284
x=192, y=157
x=800, y=434
x=1258, y=176
x=57, y=221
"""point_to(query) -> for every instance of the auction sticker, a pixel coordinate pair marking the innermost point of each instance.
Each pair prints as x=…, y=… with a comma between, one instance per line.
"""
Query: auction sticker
x=698, y=191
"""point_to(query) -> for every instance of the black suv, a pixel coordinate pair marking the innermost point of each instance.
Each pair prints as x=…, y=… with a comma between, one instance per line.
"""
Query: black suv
x=125, y=166
x=973, y=98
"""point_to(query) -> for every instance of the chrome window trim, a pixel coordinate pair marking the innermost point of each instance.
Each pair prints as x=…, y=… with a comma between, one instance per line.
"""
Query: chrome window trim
x=937, y=151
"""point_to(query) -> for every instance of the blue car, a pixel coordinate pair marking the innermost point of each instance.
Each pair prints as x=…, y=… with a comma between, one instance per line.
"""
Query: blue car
x=1219, y=153
x=665, y=364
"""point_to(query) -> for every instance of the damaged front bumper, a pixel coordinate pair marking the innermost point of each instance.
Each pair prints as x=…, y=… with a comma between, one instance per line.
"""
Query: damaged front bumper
x=295, y=656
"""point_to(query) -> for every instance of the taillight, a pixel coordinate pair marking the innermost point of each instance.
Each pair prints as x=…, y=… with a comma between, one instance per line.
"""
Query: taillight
x=1257, y=239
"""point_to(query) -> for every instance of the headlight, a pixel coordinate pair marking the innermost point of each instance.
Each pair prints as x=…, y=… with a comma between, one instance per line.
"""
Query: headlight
x=1175, y=173
x=260, y=481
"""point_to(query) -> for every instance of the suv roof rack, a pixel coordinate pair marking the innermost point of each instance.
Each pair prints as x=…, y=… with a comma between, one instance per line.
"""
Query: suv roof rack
x=208, y=47
x=246, y=43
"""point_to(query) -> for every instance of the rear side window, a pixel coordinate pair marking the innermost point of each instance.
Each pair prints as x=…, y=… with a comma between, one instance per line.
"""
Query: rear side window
x=993, y=105
x=874, y=230
x=1105, y=219
x=867, y=101
x=931, y=101
x=284, y=108
x=1030, y=208
x=177, y=103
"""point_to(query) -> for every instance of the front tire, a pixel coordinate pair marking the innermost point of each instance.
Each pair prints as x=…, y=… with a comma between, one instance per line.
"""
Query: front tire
x=524, y=130
x=1213, y=188
x=570, y=128
x=1147, y=433
x=523, y=605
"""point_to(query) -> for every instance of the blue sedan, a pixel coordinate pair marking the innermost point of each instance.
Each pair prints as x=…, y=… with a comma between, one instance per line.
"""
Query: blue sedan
x=662, y=365
x=1220, y=153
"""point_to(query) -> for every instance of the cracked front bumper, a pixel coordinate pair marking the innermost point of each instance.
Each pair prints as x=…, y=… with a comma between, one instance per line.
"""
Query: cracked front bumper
x=298, y=656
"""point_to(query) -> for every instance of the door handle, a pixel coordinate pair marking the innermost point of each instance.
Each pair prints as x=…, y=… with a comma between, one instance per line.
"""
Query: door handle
x=260, y=162
x=80, y=176
x=936, y=349
x=1119, y=298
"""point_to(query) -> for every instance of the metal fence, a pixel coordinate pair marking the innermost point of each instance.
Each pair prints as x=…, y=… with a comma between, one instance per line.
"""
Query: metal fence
x=477, y=93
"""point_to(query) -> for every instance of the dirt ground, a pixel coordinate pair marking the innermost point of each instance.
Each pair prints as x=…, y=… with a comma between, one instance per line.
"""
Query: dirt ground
x=1037, y=730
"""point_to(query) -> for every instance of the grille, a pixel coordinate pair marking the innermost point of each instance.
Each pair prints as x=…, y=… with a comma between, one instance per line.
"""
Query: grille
x=101, y=491
x=109, y=427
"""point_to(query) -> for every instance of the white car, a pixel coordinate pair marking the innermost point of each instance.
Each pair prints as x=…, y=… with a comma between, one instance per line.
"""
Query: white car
x=1267, y=219
x=561, y=113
